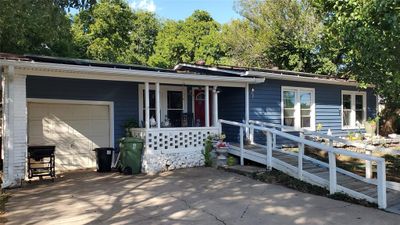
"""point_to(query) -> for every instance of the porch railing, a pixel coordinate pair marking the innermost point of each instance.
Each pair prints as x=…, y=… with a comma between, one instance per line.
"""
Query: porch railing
x=333, y=186
x=174, y=140
x=332, y=141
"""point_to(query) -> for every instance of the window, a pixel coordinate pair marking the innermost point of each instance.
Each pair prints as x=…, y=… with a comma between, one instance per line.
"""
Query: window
x=175, y=107
x=298, y=107
x=173, y=104
x=152, y=104
x=353, y=109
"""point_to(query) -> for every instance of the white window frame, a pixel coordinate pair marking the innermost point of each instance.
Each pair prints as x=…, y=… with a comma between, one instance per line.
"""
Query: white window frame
x=163, y=99
x=353, y=109
x=297, y=120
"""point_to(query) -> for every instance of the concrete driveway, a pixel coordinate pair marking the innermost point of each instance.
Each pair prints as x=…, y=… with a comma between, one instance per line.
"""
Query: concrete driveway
x=190, y=196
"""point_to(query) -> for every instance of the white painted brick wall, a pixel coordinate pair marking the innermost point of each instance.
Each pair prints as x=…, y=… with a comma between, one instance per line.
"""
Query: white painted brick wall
x=15, y=129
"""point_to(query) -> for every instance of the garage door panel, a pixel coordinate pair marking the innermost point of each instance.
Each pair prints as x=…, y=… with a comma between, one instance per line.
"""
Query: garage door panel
x=75, y=129
x=100, y=127
x=75, y=161
x=100, y=143
x=38, y=111
x=84, y=112
x=79, y=128
x=98, y=113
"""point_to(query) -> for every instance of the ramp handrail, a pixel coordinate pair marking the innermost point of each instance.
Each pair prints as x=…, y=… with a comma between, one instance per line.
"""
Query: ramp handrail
x=332, y=152
x=366, y=147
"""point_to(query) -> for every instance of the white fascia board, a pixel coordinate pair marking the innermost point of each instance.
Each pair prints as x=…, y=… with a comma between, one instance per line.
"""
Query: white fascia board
x=301, y=78
x=101, y=73
x=214, y=69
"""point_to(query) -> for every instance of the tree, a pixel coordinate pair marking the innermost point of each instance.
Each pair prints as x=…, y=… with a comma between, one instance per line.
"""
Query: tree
x=281, y=33
x=363, y=37
x=76, y=4
x=196, y=38
x=143, y=37
x=103, y=32
x=36, y=27
x=111, y=31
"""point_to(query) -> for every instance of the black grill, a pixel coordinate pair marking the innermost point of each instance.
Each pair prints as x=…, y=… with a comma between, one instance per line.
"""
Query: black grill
x=41, y=161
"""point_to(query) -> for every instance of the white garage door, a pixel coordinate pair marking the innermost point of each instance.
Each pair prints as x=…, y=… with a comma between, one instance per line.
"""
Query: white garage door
x=75, y=130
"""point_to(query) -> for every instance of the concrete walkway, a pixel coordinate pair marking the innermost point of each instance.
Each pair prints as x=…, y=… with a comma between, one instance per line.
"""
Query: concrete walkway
x=190, y=196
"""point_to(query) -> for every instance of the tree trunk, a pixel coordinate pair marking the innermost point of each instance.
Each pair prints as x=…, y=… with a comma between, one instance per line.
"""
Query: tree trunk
x=389, y=121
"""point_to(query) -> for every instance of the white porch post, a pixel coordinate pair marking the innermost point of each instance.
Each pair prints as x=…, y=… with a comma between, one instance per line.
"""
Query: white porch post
x=158, y=116
x=247, y=109
x=14, y=127
x=207, y=105
x=215, y=106
x=147, y=104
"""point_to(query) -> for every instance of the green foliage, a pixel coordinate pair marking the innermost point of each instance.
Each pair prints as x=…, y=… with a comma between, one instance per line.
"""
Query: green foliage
x=281, y=33
x=364, y=39
x=103, y=33
x=77, y=4
x=196, y=38
x=34, y=26
x=110, y=31
x=143, y=37
x=208, y=147
x=131, y=123
x=231, y=161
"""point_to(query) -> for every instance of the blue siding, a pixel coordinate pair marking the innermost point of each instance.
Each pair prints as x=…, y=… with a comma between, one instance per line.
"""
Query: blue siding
x=123, y=94
x=265, y=104
x=231, y=107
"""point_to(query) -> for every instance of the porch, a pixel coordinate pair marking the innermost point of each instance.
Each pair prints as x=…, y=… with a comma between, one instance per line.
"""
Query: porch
x=191, y=115
x=53, y=104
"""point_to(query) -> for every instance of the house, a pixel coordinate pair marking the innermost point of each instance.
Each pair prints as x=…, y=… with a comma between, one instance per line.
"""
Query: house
x=78, y=105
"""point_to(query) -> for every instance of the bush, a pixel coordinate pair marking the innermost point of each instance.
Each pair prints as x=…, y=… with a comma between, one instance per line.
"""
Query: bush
x=207, y=152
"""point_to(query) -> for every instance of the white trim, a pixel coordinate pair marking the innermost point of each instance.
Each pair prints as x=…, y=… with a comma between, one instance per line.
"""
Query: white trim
x=215, y=106
x=275, y=76
x=353, y=112
x=163, y=99
x=207, y=105
x=247, y=104
x=102, y=73
x=110, y=105
x=158, y=115
x=297, y=120
x=147, y=105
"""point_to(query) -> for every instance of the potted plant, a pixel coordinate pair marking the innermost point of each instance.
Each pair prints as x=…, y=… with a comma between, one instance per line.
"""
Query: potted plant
x=370, y=126
x=128, y=125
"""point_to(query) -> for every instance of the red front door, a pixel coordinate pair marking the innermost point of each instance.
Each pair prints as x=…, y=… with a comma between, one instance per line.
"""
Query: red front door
x=199, y=108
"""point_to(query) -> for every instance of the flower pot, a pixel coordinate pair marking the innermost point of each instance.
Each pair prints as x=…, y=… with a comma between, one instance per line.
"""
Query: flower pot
x=370, y=128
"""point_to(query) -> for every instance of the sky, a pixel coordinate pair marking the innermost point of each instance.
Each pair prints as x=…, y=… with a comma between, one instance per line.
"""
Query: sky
x=221, y=10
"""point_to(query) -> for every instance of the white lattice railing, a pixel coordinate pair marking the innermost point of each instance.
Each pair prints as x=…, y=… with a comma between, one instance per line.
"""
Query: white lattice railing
x=175, y=140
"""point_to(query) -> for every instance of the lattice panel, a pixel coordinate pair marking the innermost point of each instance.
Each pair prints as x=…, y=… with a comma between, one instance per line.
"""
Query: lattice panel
x=178, y=140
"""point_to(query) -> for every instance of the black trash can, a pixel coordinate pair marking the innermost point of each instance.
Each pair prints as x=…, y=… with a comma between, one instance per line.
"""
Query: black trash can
x=104, y=159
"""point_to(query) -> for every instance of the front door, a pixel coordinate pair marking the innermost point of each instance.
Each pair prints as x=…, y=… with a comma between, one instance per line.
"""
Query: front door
x=199, y=108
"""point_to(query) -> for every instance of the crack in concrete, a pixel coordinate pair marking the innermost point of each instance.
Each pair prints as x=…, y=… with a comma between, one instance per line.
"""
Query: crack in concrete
x=244, y=211
x=216, y=217
x=203, y=210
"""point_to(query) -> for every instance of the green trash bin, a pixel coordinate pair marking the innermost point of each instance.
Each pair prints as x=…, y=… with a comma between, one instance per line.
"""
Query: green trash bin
x=130, y=161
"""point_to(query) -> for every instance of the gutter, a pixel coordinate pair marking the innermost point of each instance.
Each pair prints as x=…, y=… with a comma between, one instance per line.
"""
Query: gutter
x=28, y=67
x=214, y=69
x=282, y=76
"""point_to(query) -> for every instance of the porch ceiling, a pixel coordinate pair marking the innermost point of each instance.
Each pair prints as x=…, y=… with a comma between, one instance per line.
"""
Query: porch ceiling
x=116, y=74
